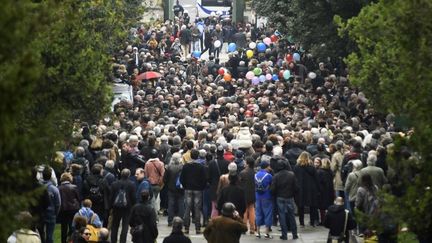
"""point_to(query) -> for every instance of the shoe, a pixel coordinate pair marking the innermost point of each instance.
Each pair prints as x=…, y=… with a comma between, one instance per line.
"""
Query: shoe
x=283, y=238
x=268, y=236
x=295, y=237
x=258, y=235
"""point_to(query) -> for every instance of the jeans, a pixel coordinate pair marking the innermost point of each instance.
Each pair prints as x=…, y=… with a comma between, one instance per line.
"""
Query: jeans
x=66, y=224
x=193, y=200
x=249, y=215
x=313, y=213
x=156, y=190
x=117, y=215
x=287, y=215
x=175, y=205
x=264, y=212
x=207, y=207
x=50, y=225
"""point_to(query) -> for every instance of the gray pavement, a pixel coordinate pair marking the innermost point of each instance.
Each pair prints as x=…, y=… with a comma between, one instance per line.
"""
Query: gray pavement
x=307, y=234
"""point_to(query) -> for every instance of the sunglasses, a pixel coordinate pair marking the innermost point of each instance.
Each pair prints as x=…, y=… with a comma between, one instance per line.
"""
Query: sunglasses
x=87, y=234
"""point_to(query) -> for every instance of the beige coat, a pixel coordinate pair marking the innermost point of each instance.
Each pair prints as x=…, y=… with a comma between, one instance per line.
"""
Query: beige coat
x=336, y=167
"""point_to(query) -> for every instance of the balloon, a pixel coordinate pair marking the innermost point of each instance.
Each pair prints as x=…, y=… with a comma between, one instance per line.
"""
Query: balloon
x=255, y=81
x=257, y=71
x=196, y=54
x=312, y=75
x=268, y=76
x=286, y=74
x=249, y=53
x=273, y=38
x=217, y=43
x=275, y=77
x=261, y=47
x=289, y=58
x=296, y=57
x=267, y=41
x=221, y=71
x=232, y=47
x=262, y=78
x=250, y=75
x=252, y=45
x=227, y=77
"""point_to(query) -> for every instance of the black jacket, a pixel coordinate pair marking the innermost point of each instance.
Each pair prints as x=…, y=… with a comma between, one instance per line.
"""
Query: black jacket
x=97, y=181
x=177, y=237
x=235, y=195
x=325, y=181
x=130, y=189
x=284, y=184
x=193, y=176
x=170, y=177
x=144, y=214
x=335, y=220
x=308, y=186
x=70, y=198
x=247, y=183
x=215, y=170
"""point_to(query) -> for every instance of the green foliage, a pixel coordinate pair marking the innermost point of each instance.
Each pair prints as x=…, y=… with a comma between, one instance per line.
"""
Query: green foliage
x=393, y=66
x=310, y=22
x=54, y=69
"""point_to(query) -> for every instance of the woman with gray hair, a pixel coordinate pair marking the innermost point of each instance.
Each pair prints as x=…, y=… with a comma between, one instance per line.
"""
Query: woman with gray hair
x=175, y=192
x=352, y=183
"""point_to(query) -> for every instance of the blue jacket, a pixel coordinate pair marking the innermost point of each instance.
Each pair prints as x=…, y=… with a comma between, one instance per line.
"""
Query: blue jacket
x=54, y=200
x=88, y=213
x=266, y=184
x=143, y=185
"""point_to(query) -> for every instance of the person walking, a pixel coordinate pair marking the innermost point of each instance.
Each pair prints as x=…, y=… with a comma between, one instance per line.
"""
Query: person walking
x=247, y=183
x=352, y=183
x=69, y=205
x=284, y=187
x=264, y=201
x=53, y=209
x=216, y=169
x=326, y=187
x=234, y=194
x=154, y=170
x=226, y=228
x=122, y=199
x=143, y=221
x=193, y=178
x=175, y=191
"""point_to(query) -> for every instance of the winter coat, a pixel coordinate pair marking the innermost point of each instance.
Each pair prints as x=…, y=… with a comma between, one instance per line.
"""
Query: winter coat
x=170, y=177
x=335, y=220
x=377, y=174
x=308, y=186
x=130, y=189
x=177, y=237
x=224, y=229
x=97, y=181
x=154, y=170
x=244, y=138
x=247, y=183
x=284, y=184
x=235, y=195
x=54, y=201
x=215, y=170
x=193, y=176
x=144, y=214
x=352, y=184
x=292, y=154
x=24, y=235
x=336, y=167
x=70, y=197
x=90, y=215
x=326, y=188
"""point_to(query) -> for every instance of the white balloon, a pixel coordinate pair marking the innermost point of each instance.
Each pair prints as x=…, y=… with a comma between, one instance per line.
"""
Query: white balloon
x=217, y=43
x=252, y=45
x=312, y=75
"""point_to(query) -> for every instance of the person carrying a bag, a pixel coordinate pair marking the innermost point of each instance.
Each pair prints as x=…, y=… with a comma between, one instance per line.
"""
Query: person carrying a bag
x=339, y=221
x=143, y=221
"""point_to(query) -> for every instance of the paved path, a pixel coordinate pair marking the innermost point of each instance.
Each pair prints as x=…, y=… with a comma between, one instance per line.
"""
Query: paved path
x=307, y=234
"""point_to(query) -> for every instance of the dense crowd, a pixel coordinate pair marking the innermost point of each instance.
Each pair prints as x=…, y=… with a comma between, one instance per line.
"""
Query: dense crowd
x=270, y=133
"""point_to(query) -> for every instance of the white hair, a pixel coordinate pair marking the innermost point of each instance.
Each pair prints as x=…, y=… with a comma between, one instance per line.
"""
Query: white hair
x=372, y=158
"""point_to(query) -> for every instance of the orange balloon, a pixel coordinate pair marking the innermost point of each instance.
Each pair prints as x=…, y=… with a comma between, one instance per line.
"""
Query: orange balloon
x=227, y=77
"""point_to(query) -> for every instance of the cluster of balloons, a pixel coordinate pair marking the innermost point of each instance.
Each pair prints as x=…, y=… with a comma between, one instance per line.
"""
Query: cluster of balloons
x=224, y=73
x=256, y=76
x=294, y=57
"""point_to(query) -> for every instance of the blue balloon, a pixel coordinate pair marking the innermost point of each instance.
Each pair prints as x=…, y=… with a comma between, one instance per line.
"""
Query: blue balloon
x=261, y=47
x=296, y=57
x=262, y=78
x=255, y=81
x=275, y=77
x=286, y=74
x=232, y=47
x=196, y=54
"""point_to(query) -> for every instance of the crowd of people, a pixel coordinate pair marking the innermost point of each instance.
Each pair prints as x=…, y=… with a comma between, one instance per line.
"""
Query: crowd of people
x=226, y=147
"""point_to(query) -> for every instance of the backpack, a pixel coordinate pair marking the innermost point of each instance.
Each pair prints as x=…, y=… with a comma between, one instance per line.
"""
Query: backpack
x=372, y=203
x=93, y=230
x=120, y=200
x=260, y=188
x=96, y=194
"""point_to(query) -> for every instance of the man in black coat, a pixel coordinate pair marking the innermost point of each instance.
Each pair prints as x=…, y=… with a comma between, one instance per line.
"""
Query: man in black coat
x=177, y=235
x=121, y=212
x=335, y=220
x=233, y=194
x=193, y=178
x=216, y=168
x=96, y=189
x=284, y=187
x=247, y=183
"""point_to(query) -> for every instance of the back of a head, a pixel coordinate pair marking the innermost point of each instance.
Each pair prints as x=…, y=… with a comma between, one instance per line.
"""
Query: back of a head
x=269, y=146
x=103, y=234
x=87, y=203
x=79, y=151
x=371, y=159
x=250, y=162
x=189, y=145
x=80, y=221
x=357, y=164
x=228, y=209
x=339, y=201
x=125, y=173
x=25, y=219
x=177, y=224
x=109, y=164
x=145, y=195
x=96, y=169
x=47, y=173
x=194, y=154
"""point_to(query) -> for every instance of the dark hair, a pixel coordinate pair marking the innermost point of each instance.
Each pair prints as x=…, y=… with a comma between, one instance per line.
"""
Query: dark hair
x=47, y=173
x=96, y=169
x=145, y=195
x=189, y=145
x=250, y=162
x=233, y=178
x=366, y=182
x=80, y=221
x=194, y=154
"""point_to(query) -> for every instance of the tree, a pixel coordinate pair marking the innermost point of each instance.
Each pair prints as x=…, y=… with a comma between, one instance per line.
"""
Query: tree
x=393, y=67
x=54, y=69
x=310, y=22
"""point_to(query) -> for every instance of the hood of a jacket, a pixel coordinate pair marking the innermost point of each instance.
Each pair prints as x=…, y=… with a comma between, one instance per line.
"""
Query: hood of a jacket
x=336, y=209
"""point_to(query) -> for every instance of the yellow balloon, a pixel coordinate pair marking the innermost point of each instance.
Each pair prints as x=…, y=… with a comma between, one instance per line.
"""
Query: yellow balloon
x=249, y=53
